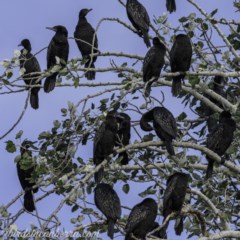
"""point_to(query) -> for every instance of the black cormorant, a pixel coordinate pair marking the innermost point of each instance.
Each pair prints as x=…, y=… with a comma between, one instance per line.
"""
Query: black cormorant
x=173, y=199
x=89, y=44
x=220, y=138
x=104, y=142
x=180, y=60
x=108, y=202
x=123, y=135
x=153, y=63
x=31, y=65
x=25, y=175
x=141, y=219
x=164, y=125
x=139, y=18
x=58, y=48
x=217, y=87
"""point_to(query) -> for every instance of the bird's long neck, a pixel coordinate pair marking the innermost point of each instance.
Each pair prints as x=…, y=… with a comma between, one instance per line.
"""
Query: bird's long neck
x=82, y=20
x=28, y=48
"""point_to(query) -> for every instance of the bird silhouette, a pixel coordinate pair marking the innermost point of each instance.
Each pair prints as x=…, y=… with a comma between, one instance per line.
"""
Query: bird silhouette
x=141, y=219
x=153, y=63
x=173, y=199
x=139, y=18
x=32, y=71
x=180, y=60
x=220, y=138
x=108, y=202
x=87, y=42
x=164, y=125
x=104, y=141
x=58, y=50
x=25, y=175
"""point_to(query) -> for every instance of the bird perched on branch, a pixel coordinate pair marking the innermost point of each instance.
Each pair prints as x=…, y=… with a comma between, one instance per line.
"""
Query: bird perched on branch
x=164, y=125
x=104, y=141
x=30, y=63
x=171, y=5
x=152, y=64
x=87, y=42
x=173, y=199
x=139, y=18
x=217, y=87
x=123, y=135
x=141, y=219
x=180, y=60
x=57, y=53
x=220, y=138
x=25, y=169
x=108, y=202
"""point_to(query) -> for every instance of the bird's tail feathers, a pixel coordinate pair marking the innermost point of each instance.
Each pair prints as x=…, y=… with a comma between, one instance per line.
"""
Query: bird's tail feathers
x=90, y=75
x=111, y=228
x=50, y=82
x=34, y=101
x=28, y=201
x=171, y=5
x=209, y=168
x=169, y=147
x=177, y=85
x=146, y=39
x=179, y=227
x=98, y=176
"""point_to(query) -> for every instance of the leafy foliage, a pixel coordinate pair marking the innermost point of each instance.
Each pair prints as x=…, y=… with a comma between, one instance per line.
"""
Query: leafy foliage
x=63, y=169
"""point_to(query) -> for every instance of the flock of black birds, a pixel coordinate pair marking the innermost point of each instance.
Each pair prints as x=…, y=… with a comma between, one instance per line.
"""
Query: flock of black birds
x=115, y=131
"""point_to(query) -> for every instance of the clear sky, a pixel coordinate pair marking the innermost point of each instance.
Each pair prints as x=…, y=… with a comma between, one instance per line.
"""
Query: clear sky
x=29, y=19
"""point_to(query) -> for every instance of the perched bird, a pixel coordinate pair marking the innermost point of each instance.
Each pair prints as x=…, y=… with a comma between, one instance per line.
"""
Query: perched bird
x=108, y=202
x=141, y=219
x=220, y=138
x=123, y=135
x=164, y=125
x=104, y=142
x=152, y=64
x=24, y=175
x=173, y=199
x=139, y=18
x=30, y=63
x=89, y=44
x=171, y=5
x=57, y=49
x=180, y=60
x=217, y=87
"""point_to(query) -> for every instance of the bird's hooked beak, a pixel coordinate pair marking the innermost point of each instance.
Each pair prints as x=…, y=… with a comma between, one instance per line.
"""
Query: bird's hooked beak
x=51, y=28
x=19, y=45
x=89, y=10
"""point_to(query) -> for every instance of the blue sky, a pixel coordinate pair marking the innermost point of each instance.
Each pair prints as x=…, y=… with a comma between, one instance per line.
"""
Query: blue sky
x=29, y=19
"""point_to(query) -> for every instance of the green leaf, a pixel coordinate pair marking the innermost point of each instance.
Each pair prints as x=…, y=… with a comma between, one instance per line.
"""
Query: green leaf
x=126, y=188
x=75, y=208
x=76, y=82
x=213, y=12
x=183, y=19
x=204, y=27
x=19, y=134
x=11, y=148
x=182, y=116
x=193, y=80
